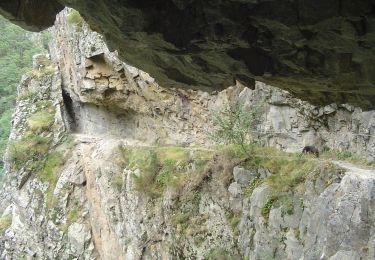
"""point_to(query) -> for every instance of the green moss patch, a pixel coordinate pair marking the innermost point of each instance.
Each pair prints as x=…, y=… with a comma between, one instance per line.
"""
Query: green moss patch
x=5, y=222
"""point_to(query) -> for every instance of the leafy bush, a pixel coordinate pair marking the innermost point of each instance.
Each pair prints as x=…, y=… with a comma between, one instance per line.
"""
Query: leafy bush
x=165, y=175
x=256, y=182
x=148, y=164
x=234, y=125
x=265, y=211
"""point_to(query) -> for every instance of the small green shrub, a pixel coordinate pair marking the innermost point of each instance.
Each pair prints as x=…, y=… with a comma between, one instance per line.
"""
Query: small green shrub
x=233, y=219
x=265, y=211
x=72, y=217
x=256, y=182
x=165, y=175
x=234, y=125
x=159, y=167
x=346, y=156
x=53, y=160
x=147, y=162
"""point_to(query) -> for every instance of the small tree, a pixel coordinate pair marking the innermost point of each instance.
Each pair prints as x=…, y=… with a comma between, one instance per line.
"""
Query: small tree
x=234, y=125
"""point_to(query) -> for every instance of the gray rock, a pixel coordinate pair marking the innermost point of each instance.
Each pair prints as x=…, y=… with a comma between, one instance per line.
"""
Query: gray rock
x=77, y=237
x=235, y=189
x=242, y=176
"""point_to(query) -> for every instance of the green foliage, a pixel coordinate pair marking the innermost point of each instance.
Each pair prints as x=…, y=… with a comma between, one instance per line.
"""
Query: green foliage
x=147, y=162
x=256, y=182
x=165, y=175
x=265, y=211
x=287, y=174
x=345, y=156
x=221, y=254
x=28, y=148
x=181, y=219
x=234, y=125
x=233, y=220
x=286, y=203
x=73, y=216
x=27, y=94
x=16, y=51
x=5, y=222
x=161, y=167
x=47, y=173
x=33, y=145
x=41, y=120
x=74, y=18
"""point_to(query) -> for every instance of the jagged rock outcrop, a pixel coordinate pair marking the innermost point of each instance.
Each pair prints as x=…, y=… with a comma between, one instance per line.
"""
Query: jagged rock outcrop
x=322, y=51
x=95, y=128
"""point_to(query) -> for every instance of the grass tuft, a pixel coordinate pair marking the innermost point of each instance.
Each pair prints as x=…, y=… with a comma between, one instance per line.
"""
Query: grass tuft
x=41, y=120
x=26, y=149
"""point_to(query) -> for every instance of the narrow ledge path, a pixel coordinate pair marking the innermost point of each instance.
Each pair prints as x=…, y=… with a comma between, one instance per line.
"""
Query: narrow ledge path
x=350, y=168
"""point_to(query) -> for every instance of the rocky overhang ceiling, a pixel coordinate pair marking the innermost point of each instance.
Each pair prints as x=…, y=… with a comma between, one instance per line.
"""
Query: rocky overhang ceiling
x=321, y=50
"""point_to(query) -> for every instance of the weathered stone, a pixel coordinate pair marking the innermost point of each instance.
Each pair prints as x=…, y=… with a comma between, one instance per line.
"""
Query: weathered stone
x=77, y=238
x=235, y=189
x=242, y=176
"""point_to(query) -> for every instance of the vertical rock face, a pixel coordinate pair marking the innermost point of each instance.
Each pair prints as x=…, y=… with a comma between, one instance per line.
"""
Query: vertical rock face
x=76, y=193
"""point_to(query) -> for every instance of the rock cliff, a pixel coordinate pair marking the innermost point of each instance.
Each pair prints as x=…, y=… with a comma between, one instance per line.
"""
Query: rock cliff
x=105, y=163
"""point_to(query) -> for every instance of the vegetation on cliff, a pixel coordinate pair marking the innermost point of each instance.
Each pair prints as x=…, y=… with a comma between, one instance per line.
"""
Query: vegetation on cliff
x=16, y=50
